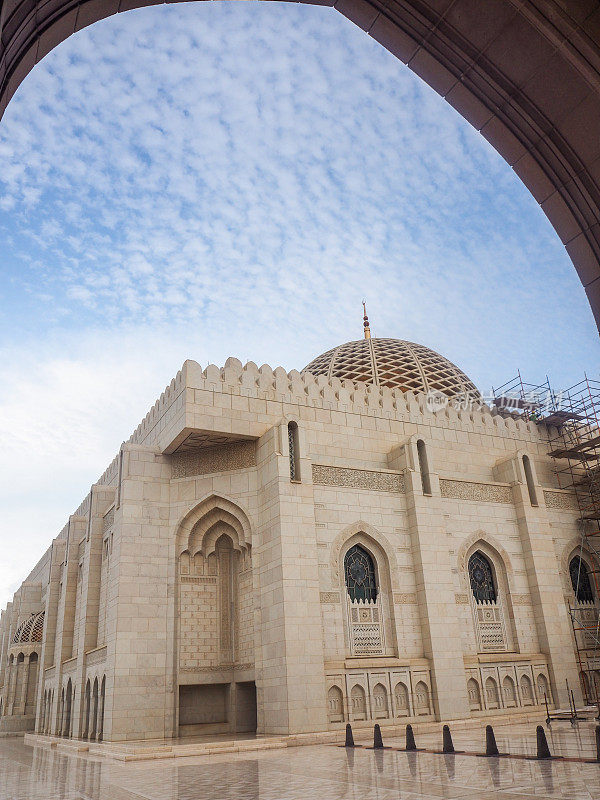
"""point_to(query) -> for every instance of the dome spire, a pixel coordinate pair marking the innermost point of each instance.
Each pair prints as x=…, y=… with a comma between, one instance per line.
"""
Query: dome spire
x=366, y=321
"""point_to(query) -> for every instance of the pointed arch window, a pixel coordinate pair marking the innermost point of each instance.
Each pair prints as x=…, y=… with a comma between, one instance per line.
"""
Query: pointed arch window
x=294, y=451
x=580, y=580
x=482, y=579
x=359, y=572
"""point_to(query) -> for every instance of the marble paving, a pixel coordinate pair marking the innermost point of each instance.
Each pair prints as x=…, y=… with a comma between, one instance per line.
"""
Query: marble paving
x=323, y=772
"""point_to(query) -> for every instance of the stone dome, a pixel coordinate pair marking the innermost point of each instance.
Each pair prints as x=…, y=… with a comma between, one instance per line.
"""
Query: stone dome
x=394, y=363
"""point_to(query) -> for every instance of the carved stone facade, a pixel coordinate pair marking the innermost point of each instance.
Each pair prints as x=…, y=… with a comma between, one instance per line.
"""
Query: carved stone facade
x=357, y=478
x=214, y=582
x=214, y=459
x=560, y=500
x=481, y=492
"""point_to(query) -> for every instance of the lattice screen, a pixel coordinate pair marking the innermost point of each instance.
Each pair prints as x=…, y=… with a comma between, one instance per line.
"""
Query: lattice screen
x=393, y=363
x=31, y=630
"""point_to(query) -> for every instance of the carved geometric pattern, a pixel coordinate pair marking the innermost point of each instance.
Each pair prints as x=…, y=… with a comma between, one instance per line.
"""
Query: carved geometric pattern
x=560, y=500
x=219, y=668
x=357, y=478
x=240, y=455
x=408, y=598
x=393, y=363
x=108, y=519
x=330, y=597
x=490, y=627
x=465, y=490
x=366, y=639
x=521, y=600
x=96, y=657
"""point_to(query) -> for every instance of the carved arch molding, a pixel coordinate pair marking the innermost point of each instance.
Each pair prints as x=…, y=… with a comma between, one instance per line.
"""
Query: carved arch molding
x=525, y=73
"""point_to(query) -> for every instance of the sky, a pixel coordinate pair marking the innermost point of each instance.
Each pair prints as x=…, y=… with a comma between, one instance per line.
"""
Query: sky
x=200, y=180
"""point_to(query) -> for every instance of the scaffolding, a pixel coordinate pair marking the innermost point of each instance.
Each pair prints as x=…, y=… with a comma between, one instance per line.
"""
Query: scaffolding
x=573, y=421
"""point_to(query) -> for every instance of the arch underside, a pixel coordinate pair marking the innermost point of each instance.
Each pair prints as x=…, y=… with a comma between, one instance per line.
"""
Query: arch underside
x=525, y=73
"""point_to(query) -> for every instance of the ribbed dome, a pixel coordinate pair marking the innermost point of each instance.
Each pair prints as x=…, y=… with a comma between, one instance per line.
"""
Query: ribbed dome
x=394, y=363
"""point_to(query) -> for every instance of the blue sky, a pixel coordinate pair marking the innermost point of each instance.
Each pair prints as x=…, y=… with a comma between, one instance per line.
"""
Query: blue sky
x=205, y=180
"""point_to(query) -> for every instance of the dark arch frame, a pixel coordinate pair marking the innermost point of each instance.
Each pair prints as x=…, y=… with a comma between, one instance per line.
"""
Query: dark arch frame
x=526, y=74
x=579, y=572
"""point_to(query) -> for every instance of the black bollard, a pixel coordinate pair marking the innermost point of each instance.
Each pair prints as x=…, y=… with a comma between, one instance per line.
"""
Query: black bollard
x=377, y=740
x=349, y=736
x=491, y=748
x=597, y=742
x=543, y=751
x=410, y=738
x=448, y=747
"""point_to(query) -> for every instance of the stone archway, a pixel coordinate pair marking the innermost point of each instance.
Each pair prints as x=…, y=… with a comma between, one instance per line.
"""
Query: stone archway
x=525, y=73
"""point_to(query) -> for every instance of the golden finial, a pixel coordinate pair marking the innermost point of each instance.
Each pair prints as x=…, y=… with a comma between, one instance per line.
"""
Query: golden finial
x=366, y=321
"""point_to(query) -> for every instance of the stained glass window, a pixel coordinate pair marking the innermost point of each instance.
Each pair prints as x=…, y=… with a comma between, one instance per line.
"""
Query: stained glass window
x=580, y=580
x=359, y=572
x=482, y=579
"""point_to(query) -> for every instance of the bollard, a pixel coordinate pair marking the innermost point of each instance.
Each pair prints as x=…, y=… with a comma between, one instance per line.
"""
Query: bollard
x=597, y=742
x=410, y=738
x=448, y=747
x=543, y=751
x=377, y=740
x=349, y=736
x=491, y=748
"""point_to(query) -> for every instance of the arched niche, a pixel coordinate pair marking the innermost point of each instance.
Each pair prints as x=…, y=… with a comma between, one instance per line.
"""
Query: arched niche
x=369, y=621
x=493, y=617
x=201, y=527
x=335, y=705
x=474, y=695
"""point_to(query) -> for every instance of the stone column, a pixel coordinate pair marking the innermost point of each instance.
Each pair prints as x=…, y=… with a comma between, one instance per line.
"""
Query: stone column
x=139, y=704
x=47, y=656
x=89, y=558
x=289, y=650
x=545, y=585
x=435, y=585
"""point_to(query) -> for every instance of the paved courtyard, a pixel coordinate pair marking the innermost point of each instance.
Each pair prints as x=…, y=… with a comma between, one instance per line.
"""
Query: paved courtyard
x=323, y=772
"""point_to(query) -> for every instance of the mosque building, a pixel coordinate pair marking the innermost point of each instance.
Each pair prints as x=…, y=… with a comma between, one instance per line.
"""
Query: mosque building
x=365, y=540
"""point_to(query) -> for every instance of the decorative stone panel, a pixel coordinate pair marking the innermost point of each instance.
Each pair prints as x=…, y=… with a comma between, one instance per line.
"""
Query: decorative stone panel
x=408, y=598
x=108, y=519
x=218, y=668
x=204, y=461
x=70, y=666
x=521, y=600
x=483, y=492
x=96, y=657
x=357, y=478
x=330, y=597
x=461, y=599
x=562, y=501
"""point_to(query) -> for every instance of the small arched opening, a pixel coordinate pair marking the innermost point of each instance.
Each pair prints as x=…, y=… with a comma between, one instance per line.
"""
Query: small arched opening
x=335, y=705
x=474, y=695
x=529, y=480
x=380, y=702
x=424, y=467
x=294, y=451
